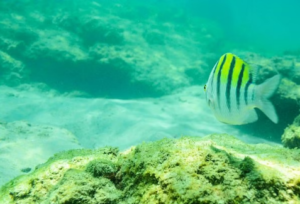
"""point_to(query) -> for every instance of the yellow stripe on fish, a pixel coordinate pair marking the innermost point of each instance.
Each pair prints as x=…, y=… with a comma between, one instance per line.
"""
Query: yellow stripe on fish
x=232, y=93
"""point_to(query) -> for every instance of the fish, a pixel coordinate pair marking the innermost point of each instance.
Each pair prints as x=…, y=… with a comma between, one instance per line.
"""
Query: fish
x=233, y=95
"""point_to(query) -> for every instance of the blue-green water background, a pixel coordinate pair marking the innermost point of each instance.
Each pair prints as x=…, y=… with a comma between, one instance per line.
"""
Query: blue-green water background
x=269, y=26
x=266, y=26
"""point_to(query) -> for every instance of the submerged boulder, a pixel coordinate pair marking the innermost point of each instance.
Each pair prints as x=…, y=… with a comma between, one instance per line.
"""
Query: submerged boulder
x=213, y=169
x=291, y=135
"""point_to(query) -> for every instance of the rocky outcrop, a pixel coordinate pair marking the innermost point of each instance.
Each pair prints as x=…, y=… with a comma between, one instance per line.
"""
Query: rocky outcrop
x=213, y=169
x=111, y=49
x=291, y=135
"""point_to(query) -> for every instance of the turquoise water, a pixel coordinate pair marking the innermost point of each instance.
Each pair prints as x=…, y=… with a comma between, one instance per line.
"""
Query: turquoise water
x=123, y=72
x=267, y=26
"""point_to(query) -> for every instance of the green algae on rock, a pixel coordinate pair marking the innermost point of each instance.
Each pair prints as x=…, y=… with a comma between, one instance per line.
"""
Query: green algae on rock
x=101, y=168
x=291, y=135
x=63, y=179
x=213, y=169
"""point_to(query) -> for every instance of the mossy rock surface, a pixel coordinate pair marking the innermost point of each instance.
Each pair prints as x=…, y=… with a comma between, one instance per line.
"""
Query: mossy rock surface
x=213, y=169
x=291, y=135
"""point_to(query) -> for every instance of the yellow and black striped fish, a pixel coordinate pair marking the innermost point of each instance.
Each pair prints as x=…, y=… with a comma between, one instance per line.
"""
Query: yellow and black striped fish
x=232, y=94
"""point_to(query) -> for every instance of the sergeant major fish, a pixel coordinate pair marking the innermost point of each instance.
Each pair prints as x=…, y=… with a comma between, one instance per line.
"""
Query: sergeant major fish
x=232, y=94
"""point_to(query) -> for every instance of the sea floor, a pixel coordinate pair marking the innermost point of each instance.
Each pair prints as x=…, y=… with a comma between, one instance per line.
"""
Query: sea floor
x=36, y=125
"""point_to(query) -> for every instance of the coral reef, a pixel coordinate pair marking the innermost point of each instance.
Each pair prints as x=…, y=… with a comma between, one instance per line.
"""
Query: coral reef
x=134, y=47
x=213, y=169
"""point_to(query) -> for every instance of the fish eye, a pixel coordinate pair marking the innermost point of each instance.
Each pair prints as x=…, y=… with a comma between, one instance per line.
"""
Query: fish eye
x=205, y=87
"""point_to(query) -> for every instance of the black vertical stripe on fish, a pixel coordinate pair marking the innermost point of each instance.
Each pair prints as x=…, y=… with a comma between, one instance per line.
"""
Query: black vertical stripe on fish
x=215, y=67
x=219, y=80
x=228, y=85
x=238, y=88
x=246, y=89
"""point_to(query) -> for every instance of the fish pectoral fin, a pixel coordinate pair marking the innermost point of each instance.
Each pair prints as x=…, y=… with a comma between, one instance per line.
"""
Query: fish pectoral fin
x=250, y=117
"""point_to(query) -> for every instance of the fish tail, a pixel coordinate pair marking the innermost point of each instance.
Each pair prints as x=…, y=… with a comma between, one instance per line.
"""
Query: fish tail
x=265, y=91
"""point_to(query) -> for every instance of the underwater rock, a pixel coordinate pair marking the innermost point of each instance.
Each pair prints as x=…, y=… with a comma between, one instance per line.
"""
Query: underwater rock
x=11, y=69
x=24, y=145
x=291, y=135
x=213, y=169
x=101, y=168
x=109, y=48
x=289, y=90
